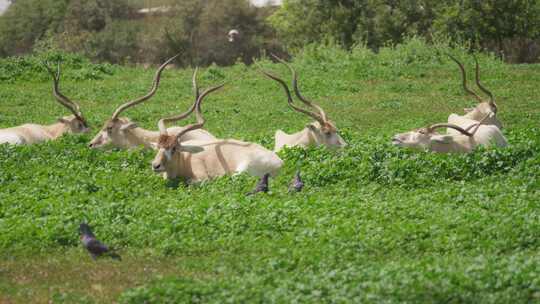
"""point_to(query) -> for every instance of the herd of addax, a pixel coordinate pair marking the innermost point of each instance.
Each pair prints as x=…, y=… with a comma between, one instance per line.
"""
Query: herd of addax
x=194, y=154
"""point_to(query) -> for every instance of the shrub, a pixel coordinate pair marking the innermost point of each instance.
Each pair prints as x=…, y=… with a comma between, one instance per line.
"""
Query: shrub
x=31, y=68
x=484, y=25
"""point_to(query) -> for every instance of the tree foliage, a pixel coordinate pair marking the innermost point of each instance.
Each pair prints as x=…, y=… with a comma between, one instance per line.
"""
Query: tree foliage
x=27, y=21
x=511, y=27
x=348, y=22
x=115, y=32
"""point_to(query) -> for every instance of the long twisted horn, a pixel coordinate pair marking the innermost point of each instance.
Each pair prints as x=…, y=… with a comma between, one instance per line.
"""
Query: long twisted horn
x=195, y=86
x=476, y=126
x=198, y=114
x=162, y=122
x=297, y=91
x=289, y=97
x=458, y=128
x=480, y=86
x=135, y=102
x=446, y=125
x=464, y=77
x=72, y=106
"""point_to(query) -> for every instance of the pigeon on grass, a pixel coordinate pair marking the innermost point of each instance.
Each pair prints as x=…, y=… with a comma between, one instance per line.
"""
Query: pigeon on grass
x=262, y=185
x=296, y=184
x=94, y=246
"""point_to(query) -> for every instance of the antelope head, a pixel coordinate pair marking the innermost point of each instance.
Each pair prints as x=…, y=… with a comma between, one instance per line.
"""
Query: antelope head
x=169, y=146
x=323, y=130
x=484, y=107
x=422, y=139
x=116, y=130
x=75, y=123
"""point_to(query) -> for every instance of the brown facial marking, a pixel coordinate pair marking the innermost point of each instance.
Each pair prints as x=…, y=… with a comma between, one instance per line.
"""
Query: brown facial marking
x=328, y=128
x=422, y=131
x=166, y=141
x=109, y=125
x=83, y=122
x=494, y=108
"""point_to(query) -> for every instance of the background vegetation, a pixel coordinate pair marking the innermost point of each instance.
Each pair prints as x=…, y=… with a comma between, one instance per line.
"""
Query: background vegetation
x=375, y=223
x=509, y=28
x=114, y=31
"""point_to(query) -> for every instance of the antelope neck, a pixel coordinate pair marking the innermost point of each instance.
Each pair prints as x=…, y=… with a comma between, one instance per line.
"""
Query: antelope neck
x=56, y=130
x=144, y=136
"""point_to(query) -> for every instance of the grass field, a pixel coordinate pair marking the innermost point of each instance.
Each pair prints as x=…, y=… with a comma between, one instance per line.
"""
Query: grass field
x=374, y=224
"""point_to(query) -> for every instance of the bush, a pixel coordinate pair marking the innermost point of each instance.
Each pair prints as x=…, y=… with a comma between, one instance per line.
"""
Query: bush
x=199, y=30
x=30, y=68
x=113, y=31
x=511, y=28
x=487, y=25
x=27, y=21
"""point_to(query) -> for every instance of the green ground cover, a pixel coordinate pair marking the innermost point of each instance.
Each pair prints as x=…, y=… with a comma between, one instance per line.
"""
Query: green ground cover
x=375, y=223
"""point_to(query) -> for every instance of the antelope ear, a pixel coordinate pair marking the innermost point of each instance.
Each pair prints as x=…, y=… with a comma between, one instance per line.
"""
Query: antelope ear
x=128, y=126
x=445, y=139
x=154, y=145
x=62, y=120
x=191, y=149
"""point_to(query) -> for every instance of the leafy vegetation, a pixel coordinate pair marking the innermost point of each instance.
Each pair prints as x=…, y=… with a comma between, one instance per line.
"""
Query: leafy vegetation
x=510, y=28
x=72, y=66
x=374, y=224
x=116, y=32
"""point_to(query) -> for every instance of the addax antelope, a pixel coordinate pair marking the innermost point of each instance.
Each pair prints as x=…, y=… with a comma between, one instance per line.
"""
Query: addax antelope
x=483, y=108
x=33, y=133
x=463, y=142
x=121, y=132
x=198, y=160
x=320, y=132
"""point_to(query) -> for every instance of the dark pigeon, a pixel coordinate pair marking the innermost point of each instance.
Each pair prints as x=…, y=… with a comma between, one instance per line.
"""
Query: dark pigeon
x=296, y=184
x=94, y=247
x=262, y=185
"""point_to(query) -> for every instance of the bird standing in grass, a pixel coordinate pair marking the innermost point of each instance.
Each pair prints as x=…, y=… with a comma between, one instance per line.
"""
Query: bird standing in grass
x=296, y=184
x=262, y=185
x=94, y=247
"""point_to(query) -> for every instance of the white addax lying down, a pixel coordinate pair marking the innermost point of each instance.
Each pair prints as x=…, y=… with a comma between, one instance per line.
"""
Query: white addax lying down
x=320, y=132
x=483, y=108
x=463, y=142
x=198, y=160
x=120, y=132
x=33, y=133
